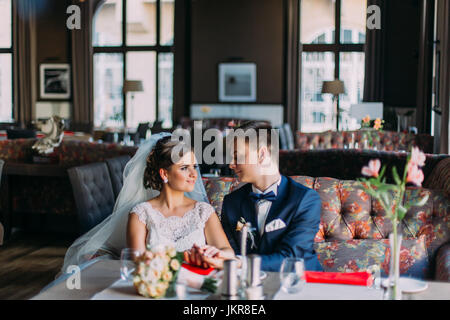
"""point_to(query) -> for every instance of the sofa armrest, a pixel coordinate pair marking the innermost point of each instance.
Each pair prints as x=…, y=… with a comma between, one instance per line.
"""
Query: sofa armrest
x=443, y=263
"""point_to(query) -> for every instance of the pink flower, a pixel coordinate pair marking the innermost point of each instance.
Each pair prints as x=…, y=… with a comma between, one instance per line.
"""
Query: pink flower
x=415, y=175
x=377, y=124
x=372, y=169
x=417, y=157
x=366, y=119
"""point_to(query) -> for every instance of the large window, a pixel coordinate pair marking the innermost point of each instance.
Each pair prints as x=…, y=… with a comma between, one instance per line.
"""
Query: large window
x=133, y=40
x=6, y=53
x=332, y=37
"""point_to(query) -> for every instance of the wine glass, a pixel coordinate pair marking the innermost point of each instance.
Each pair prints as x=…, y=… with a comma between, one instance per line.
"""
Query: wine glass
x=127, y=264
x=374, y=270
x=292, y=275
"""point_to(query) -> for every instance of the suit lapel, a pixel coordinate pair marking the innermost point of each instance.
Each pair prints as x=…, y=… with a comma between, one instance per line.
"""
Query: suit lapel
x=277, y=205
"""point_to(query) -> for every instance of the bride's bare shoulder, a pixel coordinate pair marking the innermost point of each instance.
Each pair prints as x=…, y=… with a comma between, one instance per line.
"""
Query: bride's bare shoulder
x=189, y=202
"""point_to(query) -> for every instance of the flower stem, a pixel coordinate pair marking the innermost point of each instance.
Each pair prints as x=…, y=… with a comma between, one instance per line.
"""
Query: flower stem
x=394, y=256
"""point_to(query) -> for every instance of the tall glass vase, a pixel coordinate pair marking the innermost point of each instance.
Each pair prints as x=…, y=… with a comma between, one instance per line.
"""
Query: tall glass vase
x=393, y=290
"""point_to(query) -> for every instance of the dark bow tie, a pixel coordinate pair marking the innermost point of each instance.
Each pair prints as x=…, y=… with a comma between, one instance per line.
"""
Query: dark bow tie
x=269, y=196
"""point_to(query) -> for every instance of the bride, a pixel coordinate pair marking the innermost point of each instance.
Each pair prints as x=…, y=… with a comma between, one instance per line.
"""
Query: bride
x=161, y=203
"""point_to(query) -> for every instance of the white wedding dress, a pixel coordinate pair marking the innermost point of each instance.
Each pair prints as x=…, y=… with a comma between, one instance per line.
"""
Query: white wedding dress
x=110, y=235
x=180, y=232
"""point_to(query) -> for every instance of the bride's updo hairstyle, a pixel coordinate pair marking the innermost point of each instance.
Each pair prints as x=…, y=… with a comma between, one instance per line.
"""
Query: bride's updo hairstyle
x=161, y=158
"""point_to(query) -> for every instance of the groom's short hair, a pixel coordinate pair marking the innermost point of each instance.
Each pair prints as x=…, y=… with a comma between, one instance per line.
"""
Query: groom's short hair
x=258, y=125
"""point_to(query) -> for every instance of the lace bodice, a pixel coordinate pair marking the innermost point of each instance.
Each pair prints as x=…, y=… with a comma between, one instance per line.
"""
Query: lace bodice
x=181, y=232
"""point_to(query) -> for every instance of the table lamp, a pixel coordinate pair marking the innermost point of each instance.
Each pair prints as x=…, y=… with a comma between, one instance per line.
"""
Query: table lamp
x=335, y=87
x=132, y=86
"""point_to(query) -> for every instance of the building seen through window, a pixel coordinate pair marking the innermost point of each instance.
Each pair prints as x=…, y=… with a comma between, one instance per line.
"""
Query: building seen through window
x=324, y=57
x=133, y=40
x=6, y=52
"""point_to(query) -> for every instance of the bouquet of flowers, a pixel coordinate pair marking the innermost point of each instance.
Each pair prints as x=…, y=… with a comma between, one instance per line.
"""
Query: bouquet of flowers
x=365, y=125
x=157, y=270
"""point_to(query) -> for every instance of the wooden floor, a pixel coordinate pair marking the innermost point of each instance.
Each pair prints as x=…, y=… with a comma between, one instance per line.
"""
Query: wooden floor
x=30, y=261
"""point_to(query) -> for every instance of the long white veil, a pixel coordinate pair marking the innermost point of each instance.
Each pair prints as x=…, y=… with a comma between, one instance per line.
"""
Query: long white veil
x=110, y=235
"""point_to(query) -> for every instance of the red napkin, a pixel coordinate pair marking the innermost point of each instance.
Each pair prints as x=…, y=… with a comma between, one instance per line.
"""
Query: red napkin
x=352, y=278
x=198, y=270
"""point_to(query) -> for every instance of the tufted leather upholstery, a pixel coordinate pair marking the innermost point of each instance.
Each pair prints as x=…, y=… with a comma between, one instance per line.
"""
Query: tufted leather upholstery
x=115, y=167
x=439, y=178
x=443, y=263
x=93, y=193
x=348, y=213
x=347, y=163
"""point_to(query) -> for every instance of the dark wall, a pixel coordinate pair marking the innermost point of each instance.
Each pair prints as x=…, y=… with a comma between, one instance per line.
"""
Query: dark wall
x=402, y=52
x=250, y=30
x=53, y=37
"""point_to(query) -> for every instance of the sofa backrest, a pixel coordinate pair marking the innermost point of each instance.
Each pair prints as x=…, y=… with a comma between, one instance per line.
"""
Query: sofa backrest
x=347, y=163
x=350, y=213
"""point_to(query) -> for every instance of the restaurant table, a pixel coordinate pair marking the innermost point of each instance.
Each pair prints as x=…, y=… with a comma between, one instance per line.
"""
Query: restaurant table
x=101, y=274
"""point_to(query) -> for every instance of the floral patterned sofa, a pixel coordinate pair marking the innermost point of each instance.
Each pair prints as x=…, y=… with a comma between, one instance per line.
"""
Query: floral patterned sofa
x=383, y=140
x=354, y=229
x=44, y=199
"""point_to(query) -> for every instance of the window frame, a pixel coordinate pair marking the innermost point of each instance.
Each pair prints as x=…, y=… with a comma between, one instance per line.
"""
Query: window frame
x=124, y=49
x=10, y=50
x=336, y=47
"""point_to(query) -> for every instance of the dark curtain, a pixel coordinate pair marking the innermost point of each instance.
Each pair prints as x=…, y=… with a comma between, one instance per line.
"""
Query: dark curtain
x=24, y=65
x=424, y=72
x=292, y=65
x=182, y=61
x=444, y=79
x=82, y=68
x=374, y=58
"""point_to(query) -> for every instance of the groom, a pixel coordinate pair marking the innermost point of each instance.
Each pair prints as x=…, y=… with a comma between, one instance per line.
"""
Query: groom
x=285, y=215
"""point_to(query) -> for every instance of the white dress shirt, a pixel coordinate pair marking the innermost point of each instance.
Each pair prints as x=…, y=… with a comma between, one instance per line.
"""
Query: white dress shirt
x=262, y=207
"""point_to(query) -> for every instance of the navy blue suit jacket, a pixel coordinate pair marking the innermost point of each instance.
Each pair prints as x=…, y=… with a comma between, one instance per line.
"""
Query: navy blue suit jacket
x=298, y=206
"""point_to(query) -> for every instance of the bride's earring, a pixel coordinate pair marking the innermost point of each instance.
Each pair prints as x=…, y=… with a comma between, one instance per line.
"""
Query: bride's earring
x=165, y=180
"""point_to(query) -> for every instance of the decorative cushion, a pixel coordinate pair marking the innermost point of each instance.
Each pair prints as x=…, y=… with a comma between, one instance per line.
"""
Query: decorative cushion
x=358, y=255
x=216, y=190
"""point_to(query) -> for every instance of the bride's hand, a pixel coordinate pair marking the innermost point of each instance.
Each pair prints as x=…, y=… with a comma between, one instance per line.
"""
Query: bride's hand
x=194, y=257
x=210, y=251
x=213, y=256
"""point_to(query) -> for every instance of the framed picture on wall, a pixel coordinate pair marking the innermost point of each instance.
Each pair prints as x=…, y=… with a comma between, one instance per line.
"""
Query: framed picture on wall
x=55, y=81
x=237, y=82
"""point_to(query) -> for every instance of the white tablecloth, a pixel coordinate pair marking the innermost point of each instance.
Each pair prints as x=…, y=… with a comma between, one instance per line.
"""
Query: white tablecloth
x=322, y=291
x=124, y=290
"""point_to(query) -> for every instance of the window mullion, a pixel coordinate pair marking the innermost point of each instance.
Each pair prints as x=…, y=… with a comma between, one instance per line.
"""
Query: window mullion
x=337, y=38
x=124, y=59
x=123, y=49
x=158, y=32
